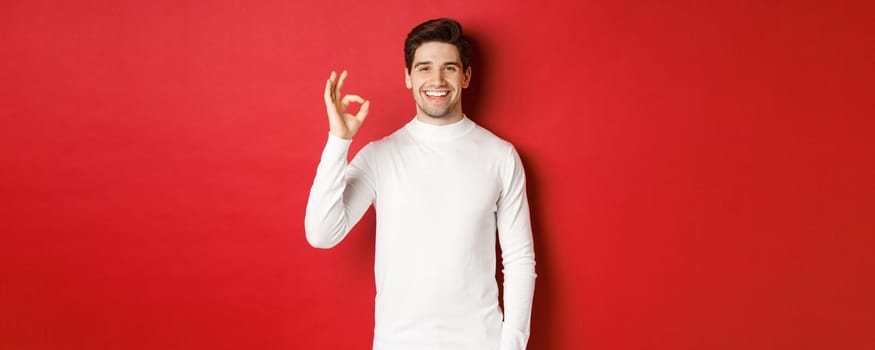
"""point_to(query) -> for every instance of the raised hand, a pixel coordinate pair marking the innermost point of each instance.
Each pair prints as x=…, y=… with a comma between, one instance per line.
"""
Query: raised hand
x=340, y=123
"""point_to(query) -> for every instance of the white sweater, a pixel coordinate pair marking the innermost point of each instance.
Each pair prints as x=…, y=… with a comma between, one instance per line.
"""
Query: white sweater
x=440, y=193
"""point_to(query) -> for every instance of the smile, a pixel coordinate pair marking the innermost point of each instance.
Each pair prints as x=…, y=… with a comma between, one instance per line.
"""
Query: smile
x=434, y=93
x=436, y=96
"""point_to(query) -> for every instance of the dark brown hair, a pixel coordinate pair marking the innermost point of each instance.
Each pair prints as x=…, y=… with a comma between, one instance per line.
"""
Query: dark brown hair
x=445, y=30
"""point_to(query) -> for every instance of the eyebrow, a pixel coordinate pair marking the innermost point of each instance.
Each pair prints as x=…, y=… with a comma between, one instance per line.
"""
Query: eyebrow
x=428, y=63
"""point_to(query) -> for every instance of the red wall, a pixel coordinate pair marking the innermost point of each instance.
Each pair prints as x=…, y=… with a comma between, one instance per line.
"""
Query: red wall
x=701, y=175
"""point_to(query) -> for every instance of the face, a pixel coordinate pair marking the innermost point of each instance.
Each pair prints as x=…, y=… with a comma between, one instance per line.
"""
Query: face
x=436, y=79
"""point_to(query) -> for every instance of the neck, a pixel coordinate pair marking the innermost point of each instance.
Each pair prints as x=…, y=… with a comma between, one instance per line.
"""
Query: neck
x=439, y=132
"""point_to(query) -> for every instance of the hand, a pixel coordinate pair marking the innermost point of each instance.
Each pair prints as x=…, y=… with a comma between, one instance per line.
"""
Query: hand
x=340, y=123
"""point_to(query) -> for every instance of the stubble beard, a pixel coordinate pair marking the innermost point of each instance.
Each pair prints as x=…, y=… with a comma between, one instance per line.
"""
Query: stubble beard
x=436, y=112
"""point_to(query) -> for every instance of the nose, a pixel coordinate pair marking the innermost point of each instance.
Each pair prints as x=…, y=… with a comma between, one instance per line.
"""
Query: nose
x=438, y=76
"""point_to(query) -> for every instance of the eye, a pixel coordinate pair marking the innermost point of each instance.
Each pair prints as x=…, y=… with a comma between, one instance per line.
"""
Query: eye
x=423, y=69
x=451, y=68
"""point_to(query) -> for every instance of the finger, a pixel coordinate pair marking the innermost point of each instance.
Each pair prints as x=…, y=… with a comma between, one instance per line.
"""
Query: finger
x=363, y=112
x=328, y=94
x=333, y=79
x=339, y=84
x=351, y=98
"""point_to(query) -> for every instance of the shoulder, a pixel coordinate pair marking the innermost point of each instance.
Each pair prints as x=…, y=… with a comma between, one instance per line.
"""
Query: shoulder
x=495, y=145
x=503, y=156
x=383, y=147
x=386, y=143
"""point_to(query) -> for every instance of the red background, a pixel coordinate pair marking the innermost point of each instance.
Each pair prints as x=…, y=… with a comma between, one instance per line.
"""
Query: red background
x=701, y=174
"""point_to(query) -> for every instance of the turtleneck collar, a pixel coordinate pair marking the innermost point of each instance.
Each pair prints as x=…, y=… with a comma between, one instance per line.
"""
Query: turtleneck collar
x=428, y=131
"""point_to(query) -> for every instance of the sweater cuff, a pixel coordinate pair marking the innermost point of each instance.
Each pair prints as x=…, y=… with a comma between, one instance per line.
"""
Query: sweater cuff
x=335, y=147
x=512, y=338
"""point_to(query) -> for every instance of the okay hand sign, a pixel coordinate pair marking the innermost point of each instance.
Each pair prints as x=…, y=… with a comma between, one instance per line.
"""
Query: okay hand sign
x=340, y=123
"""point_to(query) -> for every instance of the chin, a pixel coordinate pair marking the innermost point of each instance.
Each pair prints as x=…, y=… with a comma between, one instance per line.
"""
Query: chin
x=437, y=114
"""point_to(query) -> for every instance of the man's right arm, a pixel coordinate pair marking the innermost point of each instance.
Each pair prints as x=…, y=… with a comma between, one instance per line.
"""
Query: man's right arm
x=341, y=192
x=340, y=195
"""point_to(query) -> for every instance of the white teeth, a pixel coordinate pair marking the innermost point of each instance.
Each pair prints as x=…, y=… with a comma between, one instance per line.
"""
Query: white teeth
x=436, y=93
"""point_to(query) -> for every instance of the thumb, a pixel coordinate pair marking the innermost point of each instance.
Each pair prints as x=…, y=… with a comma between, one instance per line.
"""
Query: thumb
x=363, y=111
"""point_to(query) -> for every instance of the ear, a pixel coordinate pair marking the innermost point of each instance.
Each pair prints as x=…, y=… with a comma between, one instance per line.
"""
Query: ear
x=407, y=81
x=467, y=79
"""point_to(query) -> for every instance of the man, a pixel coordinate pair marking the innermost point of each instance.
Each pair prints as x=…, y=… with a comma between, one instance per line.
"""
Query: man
x=441, y=186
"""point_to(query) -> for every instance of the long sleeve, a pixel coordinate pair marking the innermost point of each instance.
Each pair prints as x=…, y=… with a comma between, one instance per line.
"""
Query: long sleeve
x=340, y=195
x=517, y=255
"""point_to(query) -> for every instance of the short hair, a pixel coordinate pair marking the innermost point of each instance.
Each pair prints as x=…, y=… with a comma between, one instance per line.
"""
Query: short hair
x=445, y=30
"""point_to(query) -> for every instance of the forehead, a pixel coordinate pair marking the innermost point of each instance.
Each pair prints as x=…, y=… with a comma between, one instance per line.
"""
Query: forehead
x=435, y=51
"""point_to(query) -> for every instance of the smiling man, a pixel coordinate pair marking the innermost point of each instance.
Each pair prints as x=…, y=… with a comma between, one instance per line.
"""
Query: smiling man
x=437, y=79
x=442, y=186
